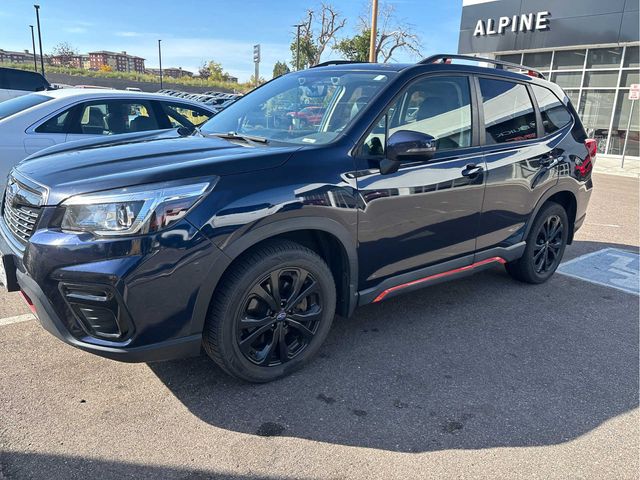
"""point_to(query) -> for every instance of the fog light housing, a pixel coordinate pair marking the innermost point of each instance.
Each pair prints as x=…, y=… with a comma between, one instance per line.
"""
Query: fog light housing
x=98, y=311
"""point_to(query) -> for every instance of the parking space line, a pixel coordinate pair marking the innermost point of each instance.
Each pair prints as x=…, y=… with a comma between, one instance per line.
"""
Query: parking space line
x=17, y=319
x=610, y=267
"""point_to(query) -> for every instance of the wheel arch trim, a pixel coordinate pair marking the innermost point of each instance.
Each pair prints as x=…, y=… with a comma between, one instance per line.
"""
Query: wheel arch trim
x=254, y=236
x=562, y=187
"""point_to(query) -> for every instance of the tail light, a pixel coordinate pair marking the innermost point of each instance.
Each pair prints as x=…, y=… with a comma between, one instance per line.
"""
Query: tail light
x=592, y=148
x=587, y=164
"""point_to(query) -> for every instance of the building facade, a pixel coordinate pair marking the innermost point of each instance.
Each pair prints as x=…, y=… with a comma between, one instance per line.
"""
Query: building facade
x=118, y=61
x=25, y=56
x=74, y=61
x=588, y=47
x=171, y=72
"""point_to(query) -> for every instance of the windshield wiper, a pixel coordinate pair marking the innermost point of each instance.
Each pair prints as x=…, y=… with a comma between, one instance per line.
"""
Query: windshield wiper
x=237, y=136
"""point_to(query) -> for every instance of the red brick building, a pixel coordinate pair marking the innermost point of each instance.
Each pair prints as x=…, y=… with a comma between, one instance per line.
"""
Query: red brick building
x=119, y=62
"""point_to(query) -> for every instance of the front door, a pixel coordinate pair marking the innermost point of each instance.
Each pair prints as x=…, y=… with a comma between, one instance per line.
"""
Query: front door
x=428, y=211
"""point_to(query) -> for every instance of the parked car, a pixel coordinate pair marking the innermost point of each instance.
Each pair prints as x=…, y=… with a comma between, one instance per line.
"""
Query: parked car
x=311, y=115
x=246, y=239
x=15, y=83
x=36, y=121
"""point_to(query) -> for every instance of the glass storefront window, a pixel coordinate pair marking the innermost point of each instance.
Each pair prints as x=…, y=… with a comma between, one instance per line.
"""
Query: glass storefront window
x=539, y=60
x=511, y=58
x=632, y=57
x=629, y=77
x=567, y=79
x=573, y=95
x=604, y=57
x=569, y=60
x=619, y=130
x=607, y=78
x=595, y=112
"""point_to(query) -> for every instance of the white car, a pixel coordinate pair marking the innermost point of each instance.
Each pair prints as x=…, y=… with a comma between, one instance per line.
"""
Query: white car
x=39, y=120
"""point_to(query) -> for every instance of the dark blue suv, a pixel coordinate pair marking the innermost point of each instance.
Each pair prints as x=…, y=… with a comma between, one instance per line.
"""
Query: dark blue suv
x=320, y=191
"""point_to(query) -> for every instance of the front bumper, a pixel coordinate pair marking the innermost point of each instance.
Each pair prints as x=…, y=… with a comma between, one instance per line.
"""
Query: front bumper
x=158, y=286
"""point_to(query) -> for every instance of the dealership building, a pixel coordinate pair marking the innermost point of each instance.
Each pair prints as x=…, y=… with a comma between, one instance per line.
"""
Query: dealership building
x=589, y=47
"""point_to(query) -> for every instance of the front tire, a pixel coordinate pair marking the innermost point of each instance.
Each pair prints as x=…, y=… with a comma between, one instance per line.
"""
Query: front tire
x=271, y=313
x=546, y=243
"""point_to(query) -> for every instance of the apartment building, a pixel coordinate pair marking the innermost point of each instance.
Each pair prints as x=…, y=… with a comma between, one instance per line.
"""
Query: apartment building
x=171, y=72
x=118, y=61
x=25, y=56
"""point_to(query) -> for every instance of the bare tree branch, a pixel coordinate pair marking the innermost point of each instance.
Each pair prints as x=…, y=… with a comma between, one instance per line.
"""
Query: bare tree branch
x=393, y=34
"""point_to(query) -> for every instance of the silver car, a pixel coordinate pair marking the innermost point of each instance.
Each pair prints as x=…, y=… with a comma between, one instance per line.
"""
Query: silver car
x=39, y=120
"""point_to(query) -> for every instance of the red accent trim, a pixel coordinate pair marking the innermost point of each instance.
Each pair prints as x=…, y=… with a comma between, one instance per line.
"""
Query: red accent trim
x=440, y=275
x=30, y=304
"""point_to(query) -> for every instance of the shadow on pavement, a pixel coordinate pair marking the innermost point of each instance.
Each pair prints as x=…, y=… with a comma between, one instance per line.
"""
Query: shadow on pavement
x=479, y=363
x=34, y=466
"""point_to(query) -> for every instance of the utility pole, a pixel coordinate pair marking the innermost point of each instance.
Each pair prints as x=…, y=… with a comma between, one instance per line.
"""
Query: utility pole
x=33, y=43
x=37, y=7
x=256, y=62
x=374, y=31
x=160, y=61
x=298, y=45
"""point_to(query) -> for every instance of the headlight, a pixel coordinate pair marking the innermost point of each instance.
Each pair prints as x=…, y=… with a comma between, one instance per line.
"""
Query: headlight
x=133, y=210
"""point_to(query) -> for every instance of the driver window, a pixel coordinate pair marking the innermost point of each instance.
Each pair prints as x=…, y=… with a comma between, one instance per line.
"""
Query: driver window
x=437, y=106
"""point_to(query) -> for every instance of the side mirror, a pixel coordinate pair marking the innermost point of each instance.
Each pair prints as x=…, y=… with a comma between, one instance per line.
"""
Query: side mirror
x=407, y=145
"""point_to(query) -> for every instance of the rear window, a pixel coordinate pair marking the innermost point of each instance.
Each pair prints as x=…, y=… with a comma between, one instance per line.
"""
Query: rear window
x=508, y=111
x=12, y=79
x=554, y=114
x=18, y=104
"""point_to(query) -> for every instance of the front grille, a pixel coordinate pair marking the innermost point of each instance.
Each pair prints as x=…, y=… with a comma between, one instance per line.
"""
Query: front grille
x=21, y=210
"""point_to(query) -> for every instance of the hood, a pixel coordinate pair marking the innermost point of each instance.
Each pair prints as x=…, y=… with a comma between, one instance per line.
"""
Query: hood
x=94, y=166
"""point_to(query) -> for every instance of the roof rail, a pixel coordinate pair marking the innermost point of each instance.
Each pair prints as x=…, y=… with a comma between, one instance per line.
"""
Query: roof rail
x=334, y=62
x=500, y=64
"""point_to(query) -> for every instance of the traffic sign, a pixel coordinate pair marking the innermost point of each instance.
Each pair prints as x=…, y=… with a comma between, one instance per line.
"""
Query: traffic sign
x=256, y=53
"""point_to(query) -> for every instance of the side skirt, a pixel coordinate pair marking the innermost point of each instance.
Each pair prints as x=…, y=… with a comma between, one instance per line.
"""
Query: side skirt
x=441, y=272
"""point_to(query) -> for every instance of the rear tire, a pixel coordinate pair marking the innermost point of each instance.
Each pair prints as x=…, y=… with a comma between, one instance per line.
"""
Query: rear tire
x=546, y=243
x=258, y=332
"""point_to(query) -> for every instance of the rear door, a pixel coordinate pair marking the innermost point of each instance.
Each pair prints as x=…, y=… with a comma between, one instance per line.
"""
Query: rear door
x=521, y=158
x=428, y=211
x=115, y=117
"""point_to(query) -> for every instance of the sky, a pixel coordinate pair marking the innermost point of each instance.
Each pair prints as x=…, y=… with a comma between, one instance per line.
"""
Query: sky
x=196, y=31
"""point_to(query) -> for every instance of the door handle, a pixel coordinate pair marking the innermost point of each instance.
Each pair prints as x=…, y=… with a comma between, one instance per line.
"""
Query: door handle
x=471, y=170
x=549, y=161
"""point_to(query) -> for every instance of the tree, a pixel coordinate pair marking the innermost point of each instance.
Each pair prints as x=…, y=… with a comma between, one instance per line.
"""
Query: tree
x=317, y=31
x=355, y=48
x=252, y=80
x=212, y=70
x=65, y=54
x=280, y=68
x=393, y=35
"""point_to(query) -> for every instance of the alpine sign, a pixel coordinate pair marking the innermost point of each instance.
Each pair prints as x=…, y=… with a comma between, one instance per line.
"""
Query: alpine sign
x=526, y=22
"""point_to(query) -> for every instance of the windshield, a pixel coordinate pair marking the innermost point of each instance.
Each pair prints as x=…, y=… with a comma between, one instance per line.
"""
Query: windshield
x=310, y=107
x=18, y=104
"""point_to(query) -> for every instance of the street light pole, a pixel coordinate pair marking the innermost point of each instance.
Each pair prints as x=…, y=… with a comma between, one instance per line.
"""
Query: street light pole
x=160, y=60
x=37, y=7
x=33, y=43
x=374, y=33
x=298, y=46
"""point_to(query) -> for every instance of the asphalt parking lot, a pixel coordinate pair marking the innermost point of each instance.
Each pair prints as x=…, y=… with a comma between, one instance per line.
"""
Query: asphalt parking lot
x=479, y=378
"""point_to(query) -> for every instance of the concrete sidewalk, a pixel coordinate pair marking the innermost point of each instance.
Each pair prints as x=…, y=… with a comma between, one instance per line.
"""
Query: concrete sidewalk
x=612, y=166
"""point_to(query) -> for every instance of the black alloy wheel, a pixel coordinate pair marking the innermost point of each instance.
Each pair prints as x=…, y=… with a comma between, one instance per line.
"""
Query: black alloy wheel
x=546, y=242
x=548, y=245
x=271, y=312
x=281, y=315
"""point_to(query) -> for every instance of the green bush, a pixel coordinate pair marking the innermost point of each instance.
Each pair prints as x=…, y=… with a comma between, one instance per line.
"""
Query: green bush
x=138, y=77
